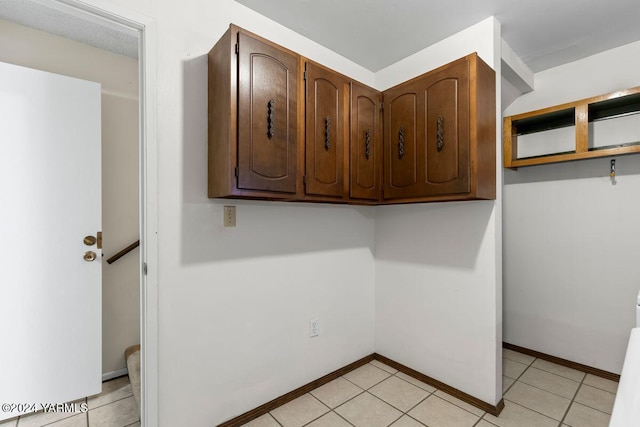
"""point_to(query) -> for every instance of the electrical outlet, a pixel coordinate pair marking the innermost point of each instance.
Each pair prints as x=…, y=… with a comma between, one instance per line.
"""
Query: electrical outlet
x=314, y=327
x=229, y=216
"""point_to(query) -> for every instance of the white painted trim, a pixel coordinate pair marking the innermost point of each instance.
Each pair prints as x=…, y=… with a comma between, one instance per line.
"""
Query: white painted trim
x=114, y=374
x=146, y=28
x=149, y=228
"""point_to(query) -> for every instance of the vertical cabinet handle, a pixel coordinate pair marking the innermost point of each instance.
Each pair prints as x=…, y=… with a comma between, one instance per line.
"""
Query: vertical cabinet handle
x=367, y=143
x=271, y=117
x=440, y=133
x=327, y=129
x=401, y=143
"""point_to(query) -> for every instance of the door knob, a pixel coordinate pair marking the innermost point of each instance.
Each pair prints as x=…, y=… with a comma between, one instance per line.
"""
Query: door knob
x=89, y=256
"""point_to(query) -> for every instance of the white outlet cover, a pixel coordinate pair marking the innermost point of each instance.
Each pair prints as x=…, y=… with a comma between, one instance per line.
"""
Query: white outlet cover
x=314, y=327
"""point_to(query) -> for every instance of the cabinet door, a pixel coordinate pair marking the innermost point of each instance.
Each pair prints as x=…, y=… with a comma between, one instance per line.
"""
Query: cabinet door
x=325, y=127
x=267, y=116
x=403, y=140
x=446, y=118
x=366, y=147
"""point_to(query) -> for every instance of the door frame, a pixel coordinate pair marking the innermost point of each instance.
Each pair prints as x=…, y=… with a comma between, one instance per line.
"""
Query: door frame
x=148, y=203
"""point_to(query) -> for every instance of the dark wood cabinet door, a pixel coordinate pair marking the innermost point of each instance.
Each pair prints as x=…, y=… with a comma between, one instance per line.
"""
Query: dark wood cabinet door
x=403, y=140
x=365, y=143
x=325, y=127
x=267, y=116
x=447, y=166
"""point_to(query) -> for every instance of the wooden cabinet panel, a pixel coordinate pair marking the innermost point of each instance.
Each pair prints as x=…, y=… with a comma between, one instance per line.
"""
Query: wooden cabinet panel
x=253, y=118
x=365, y=145
x=325, y=131
x=447, y=131
x=439, y=137
x=402, y=141
x=267, y=117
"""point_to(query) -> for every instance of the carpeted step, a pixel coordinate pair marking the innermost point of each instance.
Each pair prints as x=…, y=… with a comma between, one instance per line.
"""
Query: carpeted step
x=132, y=355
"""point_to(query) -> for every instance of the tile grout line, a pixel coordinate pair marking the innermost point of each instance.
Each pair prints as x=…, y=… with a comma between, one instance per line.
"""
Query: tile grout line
x=565, y=367
x=562, y=376
x=388, y=375
x=400, y=378
x=580, y=384
x=572, y=400
x=402, y=413
x=515, y=380
x=521, y=373
x=591, y=407
x=275, y=419
x=532, y=410
x=601, y=389
x=457, y=406
x=346, y=420
x=528, y=364
x=351, y=398
x=481, y=418
x=399, y=409
x=555, y=394
x=108, y=403
x=429, y=394
x=322, y=403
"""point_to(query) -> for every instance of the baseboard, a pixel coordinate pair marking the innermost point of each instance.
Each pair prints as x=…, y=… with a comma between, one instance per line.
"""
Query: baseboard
x=564, y=362
x=474, y=401
x=114, y=374
x=285, y=398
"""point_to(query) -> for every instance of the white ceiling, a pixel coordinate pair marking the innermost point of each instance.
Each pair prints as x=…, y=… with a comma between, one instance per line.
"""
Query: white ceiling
x=69, y=22
x=378, y=33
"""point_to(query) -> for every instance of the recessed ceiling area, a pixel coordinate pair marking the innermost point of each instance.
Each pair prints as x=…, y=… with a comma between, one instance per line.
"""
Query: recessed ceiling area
x=378, y=33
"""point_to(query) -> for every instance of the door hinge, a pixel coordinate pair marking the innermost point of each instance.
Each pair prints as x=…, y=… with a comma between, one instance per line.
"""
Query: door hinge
x=144, y=268
x=305, y=75
x=382, y=107
x=236, y=171
x=237, y=48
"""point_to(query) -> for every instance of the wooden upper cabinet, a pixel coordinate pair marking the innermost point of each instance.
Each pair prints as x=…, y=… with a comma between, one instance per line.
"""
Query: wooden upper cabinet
x=253, y=118
x=326, y=106
x=446, y=121
x=267, y=116
x=365, y=174
x=283, y=127
x=439, y=138
x=403, y=136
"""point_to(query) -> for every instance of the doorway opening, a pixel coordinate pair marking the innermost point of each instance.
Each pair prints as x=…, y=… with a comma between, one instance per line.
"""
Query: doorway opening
x=74, y=17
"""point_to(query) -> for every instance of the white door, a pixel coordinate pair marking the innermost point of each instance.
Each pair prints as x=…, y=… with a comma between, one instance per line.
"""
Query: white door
x=50, y=295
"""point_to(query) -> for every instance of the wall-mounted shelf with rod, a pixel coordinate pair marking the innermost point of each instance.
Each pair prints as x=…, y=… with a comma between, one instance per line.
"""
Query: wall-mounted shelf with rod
x=606, y=125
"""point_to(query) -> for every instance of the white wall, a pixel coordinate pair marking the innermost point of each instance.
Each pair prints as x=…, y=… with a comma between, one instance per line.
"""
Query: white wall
x=118, y=76
x=438, y=271
x=234, y=304
x=571, y=238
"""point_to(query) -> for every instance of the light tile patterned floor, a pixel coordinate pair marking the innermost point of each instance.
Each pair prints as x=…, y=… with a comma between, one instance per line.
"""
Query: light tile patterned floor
x=537, y=393
x=114, y=407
